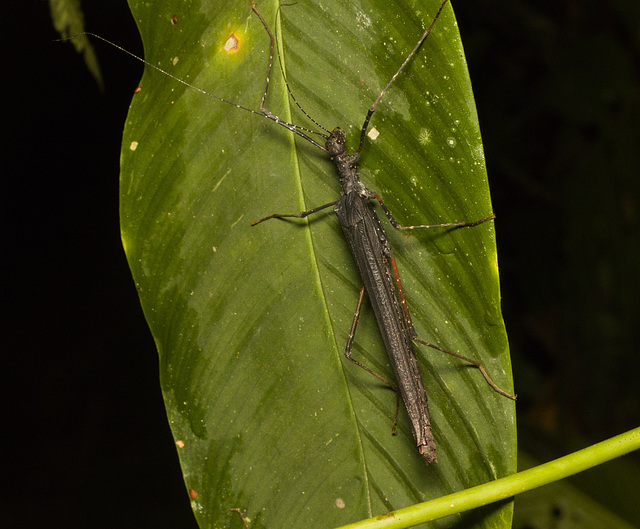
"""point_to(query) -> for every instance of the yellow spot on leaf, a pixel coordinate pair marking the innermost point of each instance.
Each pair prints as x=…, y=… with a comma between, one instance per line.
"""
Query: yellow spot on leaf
x=232, y=44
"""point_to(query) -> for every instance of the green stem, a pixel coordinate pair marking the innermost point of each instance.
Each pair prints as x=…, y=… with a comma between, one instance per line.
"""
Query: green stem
x=505, y=487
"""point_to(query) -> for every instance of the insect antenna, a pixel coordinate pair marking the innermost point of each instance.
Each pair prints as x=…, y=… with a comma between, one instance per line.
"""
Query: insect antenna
x=157, y=68
x=300, y=131
x=286, y=82
x=293, y=128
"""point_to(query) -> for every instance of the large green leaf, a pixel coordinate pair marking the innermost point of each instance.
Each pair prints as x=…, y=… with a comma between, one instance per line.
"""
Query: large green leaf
x=251, y=323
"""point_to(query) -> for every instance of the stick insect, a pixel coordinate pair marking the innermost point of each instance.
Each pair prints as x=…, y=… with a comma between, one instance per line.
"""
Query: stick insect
x=373, y=255
x=377, y=267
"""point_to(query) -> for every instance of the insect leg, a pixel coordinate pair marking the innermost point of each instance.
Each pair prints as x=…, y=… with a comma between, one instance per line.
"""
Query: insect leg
x=300, y=131
x=300, y=215
x=414, y=334
x=244, y=520
x=399, y=226
x=347, y=354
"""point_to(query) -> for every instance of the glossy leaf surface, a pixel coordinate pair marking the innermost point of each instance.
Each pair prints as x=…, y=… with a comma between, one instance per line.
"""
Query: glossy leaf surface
x=251, y=323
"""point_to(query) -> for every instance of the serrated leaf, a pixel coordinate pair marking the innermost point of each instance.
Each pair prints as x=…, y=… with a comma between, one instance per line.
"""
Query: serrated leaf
x=251, y=322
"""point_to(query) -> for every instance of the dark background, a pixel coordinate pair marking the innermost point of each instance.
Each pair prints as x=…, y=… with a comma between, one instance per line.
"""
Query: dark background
x=87, y=442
